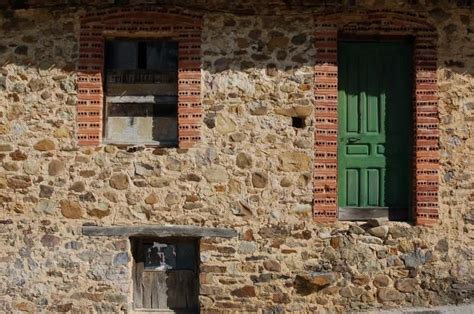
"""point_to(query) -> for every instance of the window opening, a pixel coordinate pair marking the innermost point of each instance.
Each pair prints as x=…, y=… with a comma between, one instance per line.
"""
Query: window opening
x=141, y=89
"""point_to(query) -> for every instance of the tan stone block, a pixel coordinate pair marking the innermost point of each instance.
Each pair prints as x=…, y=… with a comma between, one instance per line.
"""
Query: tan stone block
x=293, y=161
x=152, y=199
x=70, y=209
x=45, y=145
x=19, y=182
x=295, y=111
x=259, y=179
x=56, y=167
x=272, y=265
x=119, y=181
x=18, y=155
x=244, y=292
x=25, y=307
x=99, y=212
x=390, y=295
x=225, y=124
x=6, y=147
x=62, y=132
x=381, y=280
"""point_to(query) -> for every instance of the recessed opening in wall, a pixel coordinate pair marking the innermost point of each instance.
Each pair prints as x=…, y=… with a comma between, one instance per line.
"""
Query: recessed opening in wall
x=141, y=92
x=166, y=274
x=298, y=122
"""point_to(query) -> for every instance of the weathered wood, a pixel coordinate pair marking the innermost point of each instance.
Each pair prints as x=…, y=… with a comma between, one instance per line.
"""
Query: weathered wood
x=141, y=89
x=155, y=289
x=162, y=290
x=356, y=213
x=182, y=290
x=150, y=99
x=190, y=281
x=138, y=282
x=141, y=130
x=158, y=231
x=175, y=290
x=148, y=289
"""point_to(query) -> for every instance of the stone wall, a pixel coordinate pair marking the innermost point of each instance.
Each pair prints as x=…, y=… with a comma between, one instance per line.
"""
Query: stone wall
x=252, y=172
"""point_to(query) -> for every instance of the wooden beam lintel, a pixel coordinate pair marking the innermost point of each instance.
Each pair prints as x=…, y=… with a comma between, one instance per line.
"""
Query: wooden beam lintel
x=158, y=231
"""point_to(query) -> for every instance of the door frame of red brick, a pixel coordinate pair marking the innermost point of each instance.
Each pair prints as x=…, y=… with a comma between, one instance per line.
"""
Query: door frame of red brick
x=139, y=22
x=329, y=28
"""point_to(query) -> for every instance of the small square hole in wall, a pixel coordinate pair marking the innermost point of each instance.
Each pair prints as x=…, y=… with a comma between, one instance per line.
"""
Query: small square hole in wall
x=298, y=122
x=166, y=274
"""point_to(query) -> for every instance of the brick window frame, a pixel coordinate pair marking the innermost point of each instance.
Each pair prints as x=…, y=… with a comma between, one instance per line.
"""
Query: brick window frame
x=153, y=22
x=425, y=174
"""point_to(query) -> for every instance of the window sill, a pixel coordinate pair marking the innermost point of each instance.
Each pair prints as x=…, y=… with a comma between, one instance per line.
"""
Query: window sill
x=163, y=144
x=366, y=213
x=159, y=311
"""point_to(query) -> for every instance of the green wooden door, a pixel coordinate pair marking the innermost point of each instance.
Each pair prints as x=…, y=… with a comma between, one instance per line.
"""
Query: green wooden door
x=374, y=138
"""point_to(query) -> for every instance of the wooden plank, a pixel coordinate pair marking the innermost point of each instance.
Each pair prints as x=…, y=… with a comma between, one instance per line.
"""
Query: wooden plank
x=182, y=290
x=138, y=275
x=144, y=99
x=174, y=290
x=144, y=143
x=144, y=129
x=192, y=294
x=362, y=213
x=162, y=290
x=147, y=289
x=158, y=231
x=142, y=89
x=154, y=289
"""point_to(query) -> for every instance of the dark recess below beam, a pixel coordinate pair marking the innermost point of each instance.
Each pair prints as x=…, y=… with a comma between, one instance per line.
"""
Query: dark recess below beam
x=158, y=231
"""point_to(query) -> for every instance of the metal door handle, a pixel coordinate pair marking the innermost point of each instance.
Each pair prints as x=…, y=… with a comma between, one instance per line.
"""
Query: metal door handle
x=353, y=139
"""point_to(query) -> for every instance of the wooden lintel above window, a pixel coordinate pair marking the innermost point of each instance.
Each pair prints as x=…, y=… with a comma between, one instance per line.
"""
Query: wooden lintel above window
x=158, y=231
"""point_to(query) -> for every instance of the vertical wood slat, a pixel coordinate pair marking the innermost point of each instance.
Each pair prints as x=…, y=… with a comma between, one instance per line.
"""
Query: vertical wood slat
x=176, y=289
x=148, y=289
x=154, y=290
x=182, y=289
x=162, y=290
x=138, y=274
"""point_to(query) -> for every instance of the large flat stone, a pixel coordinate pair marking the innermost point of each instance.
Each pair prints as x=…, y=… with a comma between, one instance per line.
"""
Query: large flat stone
x=158, y=231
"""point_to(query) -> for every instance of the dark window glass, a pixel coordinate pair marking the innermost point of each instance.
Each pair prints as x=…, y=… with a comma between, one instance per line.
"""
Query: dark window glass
x=162, y=56
x=121, y=55
x=146, y=55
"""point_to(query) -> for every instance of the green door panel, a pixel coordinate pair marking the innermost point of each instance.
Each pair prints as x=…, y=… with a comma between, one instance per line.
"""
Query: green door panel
x=375, y=124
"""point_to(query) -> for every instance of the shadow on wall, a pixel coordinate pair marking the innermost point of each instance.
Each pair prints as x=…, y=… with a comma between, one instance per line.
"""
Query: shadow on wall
x=52, y=45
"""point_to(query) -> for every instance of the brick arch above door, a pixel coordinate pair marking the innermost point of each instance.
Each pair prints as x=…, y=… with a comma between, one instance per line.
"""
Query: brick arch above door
x=425, y=173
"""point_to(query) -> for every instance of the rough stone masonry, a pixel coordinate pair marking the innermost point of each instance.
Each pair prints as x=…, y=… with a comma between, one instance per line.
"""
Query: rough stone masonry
x=251, y=172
